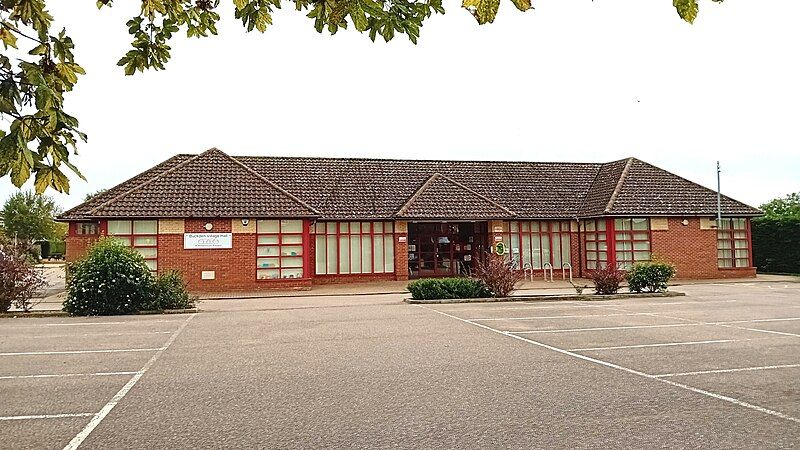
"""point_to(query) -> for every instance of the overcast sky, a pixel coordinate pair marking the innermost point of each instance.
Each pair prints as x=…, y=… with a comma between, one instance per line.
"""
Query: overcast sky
x=572, y=80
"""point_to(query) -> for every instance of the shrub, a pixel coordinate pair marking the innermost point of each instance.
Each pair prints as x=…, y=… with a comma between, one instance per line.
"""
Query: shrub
x=498, y=275
x=170, y=293
x=443, y=288
x=607, y=280
x=649, y=276
x=19, y=280
x=110, y=279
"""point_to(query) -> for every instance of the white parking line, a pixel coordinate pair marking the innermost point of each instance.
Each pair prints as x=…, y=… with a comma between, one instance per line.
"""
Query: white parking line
x=134, y=333
x=699, y=302
x=741, y=369
x=86, y=324
x=62, y=375
x=46, y=416
x=724, y=398
x=87, y=430
x=631, y=327
x=79, y=352
x=777, y=319
x=666, y=344
x=578, y=316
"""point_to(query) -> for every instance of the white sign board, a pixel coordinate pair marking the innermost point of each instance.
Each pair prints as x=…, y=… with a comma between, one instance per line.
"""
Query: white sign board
x=193, y=241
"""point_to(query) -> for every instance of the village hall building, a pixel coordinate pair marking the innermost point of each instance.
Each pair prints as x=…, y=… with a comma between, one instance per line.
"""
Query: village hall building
x=249, y=223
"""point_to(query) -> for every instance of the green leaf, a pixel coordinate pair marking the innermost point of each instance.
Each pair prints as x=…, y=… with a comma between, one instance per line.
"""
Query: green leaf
x=522, y=5
x=8, y=37
x=687, y=9
x=484, y=11
x=358, y=16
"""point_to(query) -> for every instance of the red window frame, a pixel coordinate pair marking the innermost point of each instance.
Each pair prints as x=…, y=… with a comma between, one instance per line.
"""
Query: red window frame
x=598, y=237
x=545, y=231
x=632, y=237
x=284, y=239
x=133, y=235
x=345, y=229
x=731, y=232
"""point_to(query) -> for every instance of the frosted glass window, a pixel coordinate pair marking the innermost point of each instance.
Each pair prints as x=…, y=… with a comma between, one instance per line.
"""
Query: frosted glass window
x=145, y=227
x=119, y=227
x=268, y=226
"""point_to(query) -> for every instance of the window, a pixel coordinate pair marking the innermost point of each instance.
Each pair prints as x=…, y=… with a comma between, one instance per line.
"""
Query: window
x=142, y=235
x=86, y=228
x=632, y=241
x=536, y=243
x=279, y=251
x=733, y=243
x=344, y=248
x=596, y=244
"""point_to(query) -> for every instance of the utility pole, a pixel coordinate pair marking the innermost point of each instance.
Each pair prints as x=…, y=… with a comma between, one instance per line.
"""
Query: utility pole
x=719, y=200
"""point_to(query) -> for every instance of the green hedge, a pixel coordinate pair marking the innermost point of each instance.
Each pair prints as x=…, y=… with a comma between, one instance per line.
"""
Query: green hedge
x=775, y=245
x=444, y=288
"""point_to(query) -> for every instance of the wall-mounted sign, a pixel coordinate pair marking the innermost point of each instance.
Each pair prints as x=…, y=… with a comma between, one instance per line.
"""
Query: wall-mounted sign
x=193, y=241
x=401, y=239
x=500, y=248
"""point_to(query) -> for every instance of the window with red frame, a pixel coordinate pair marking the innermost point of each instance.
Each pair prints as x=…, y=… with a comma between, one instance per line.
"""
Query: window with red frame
x=596, y=243
x=733, y=243
x=534, y=243
x=631, y=241
x=142, y=235
x=279, y=252
x=343, y=248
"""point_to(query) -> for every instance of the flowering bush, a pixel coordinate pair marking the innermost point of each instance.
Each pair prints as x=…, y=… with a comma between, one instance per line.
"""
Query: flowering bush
x=19, y=280
x=110, y=279
x=498, y=275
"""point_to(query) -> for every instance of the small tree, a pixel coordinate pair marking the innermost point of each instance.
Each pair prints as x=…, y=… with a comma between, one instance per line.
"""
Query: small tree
x=499, y=275
x=29, y=217
x=19, y=281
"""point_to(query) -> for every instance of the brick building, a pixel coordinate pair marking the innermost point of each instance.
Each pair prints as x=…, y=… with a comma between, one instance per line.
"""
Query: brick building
x=251, y=223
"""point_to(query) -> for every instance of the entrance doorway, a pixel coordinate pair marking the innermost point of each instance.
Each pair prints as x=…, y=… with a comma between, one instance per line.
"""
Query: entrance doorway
x=444, y=249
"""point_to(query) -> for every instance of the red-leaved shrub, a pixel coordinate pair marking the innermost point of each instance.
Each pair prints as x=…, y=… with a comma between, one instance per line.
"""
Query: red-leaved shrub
x=607, y=280
x=19, y=281
x=498, y=275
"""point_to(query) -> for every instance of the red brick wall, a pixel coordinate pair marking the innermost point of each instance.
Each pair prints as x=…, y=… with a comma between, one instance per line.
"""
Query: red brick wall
x=693, y=251
x=78, y=244
x=235, y=268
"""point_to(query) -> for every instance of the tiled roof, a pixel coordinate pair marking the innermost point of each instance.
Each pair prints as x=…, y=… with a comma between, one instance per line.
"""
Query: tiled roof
x=427, y=202
x=214, y=184
x=211, y=184
x=645, y=188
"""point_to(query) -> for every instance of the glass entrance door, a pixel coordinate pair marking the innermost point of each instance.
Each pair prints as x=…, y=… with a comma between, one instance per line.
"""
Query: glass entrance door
x=435, y=255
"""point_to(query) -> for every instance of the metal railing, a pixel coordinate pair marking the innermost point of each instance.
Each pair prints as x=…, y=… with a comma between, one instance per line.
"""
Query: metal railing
x=527, y=269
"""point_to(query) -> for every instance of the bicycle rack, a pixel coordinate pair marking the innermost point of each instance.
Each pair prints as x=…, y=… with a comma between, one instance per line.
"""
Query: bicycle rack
x=545, y=271
x=527, y=269
x=563, y=272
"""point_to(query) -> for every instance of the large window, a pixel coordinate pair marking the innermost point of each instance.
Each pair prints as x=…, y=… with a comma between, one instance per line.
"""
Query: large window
x=596, y=244
x=534, y=243
x=632, y=241
x=142, y=235
x=354, y=247
x=733, y=243
x=279, y=252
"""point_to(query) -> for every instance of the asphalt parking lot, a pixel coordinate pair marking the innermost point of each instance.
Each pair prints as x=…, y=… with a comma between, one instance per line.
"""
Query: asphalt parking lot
x=717, y=368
